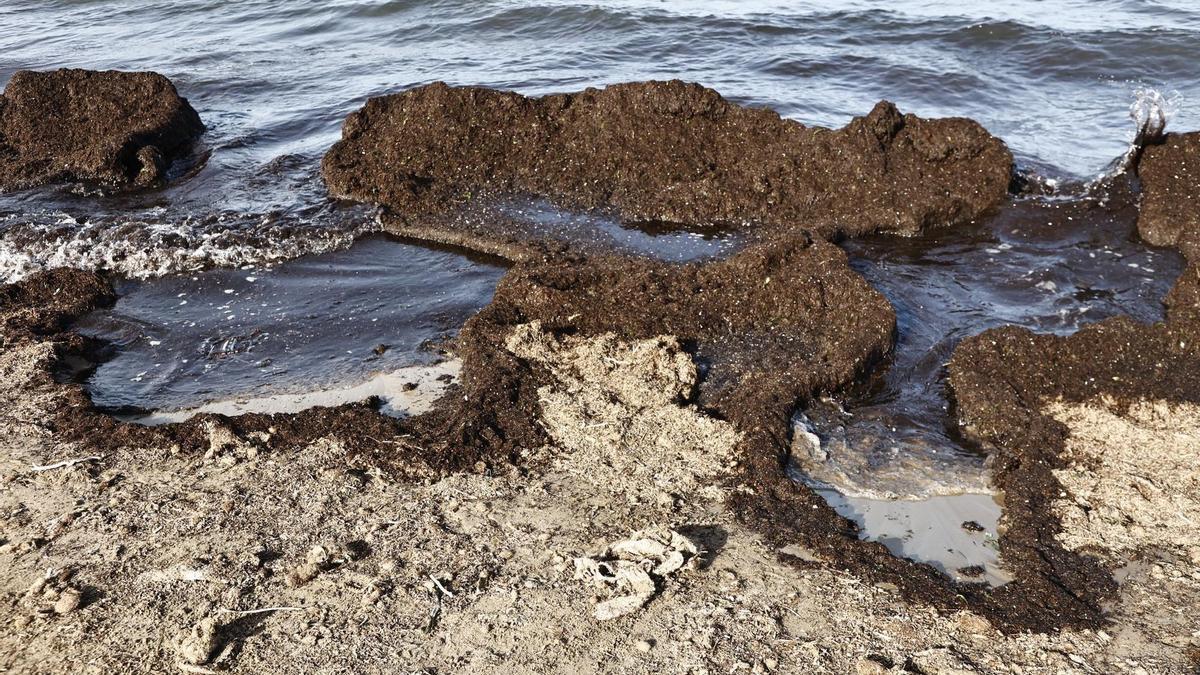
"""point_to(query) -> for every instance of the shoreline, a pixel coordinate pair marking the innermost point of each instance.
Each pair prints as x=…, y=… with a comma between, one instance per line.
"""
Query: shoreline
x=608, y=404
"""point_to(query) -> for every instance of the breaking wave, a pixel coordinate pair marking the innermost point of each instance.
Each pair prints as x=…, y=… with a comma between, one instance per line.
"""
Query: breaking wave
x=1150, y=111
x=157, y=245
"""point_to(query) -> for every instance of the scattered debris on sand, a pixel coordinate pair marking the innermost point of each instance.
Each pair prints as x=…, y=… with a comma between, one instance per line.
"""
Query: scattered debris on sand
x=190, y=562
x=116, y=129
x=632, y=568
x=638, y=396
x=1133, y=478
x=198, y=644
x=600, y=393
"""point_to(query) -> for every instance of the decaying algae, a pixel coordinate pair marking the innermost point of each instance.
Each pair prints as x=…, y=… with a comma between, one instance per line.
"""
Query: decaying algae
x=116, y=129
x=657, y=152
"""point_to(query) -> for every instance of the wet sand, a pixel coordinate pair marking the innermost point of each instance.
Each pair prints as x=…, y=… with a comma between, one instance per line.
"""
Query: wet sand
x=408, y=391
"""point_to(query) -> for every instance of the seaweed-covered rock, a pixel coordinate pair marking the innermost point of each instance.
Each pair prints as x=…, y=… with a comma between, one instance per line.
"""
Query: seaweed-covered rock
x=666, y=152
x=118, y=129
x=45, y=302
x=1170, y=210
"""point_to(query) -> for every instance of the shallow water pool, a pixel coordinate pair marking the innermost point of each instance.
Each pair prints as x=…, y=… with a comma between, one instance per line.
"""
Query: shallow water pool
x=325, y=322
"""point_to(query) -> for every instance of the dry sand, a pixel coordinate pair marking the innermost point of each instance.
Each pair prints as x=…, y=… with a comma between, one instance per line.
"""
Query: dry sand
x=1134, y=482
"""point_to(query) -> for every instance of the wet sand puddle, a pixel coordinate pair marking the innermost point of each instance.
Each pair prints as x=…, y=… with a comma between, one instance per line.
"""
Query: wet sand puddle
x=672, y=242
x=327, y=329
x=320, y=330
x=890, y=456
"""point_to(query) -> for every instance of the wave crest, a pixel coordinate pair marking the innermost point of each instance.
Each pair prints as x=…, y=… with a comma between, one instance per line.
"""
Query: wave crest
x=1150, y=111
x=154, y=247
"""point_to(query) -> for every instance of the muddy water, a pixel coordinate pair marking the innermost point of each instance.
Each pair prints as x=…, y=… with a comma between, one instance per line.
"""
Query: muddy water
x=890, y=455
x=318, y=330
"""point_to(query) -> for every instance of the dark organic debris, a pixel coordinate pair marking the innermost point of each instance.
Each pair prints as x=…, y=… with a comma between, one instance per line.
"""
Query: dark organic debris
x=660, y=152
x=779, y=321
x=116, y=129
x=45, y=303
x=1170, y=211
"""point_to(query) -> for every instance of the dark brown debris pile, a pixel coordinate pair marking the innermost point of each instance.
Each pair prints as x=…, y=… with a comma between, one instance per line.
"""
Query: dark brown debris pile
x=45, y=303
x=666, y=152
x=116, y=129
x=770, y=325
x=1170, y=211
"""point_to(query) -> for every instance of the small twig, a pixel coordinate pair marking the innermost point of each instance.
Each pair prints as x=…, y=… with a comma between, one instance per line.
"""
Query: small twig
x=434, y=613
x=196, y=670
x=261, y=610
x=440, y=586
x=65, y=463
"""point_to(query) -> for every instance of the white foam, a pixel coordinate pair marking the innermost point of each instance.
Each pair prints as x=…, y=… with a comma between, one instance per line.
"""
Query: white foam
x=917, y=468
x=143, y=249
x=398, y=399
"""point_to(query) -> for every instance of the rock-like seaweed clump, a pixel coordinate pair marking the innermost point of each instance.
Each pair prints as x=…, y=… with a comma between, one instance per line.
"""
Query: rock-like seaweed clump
x=1170, y=212
x=1001, y=377
x=115, y=129
x=667, y=152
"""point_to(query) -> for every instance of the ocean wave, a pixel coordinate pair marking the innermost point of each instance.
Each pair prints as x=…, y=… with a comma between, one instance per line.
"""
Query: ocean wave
x=145, y=248
x=1151, y=110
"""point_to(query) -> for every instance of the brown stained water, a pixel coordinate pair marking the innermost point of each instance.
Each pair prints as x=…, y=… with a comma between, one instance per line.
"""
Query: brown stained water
x=891, y=456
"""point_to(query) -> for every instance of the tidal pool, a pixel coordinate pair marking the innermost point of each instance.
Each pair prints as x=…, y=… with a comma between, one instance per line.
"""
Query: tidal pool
x=890, y=455
x=317, y=330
